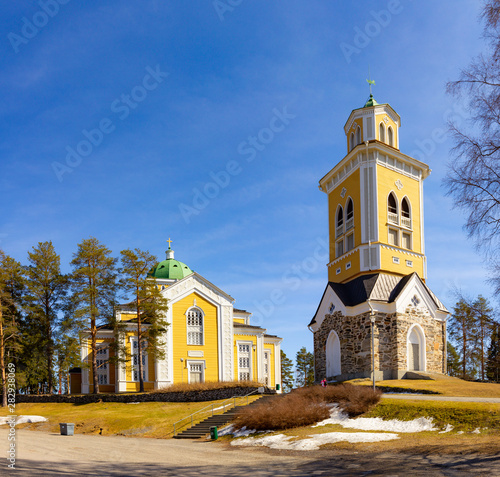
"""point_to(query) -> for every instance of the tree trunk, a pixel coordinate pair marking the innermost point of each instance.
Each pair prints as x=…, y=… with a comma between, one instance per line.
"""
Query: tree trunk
x=2, y=360
x=139, y=347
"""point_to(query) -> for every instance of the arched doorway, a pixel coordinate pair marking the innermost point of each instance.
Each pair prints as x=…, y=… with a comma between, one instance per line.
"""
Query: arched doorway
x=333, y=355
x=416, y=349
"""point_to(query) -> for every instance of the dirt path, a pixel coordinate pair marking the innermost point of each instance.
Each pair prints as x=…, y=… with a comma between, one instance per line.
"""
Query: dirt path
x=40, y=453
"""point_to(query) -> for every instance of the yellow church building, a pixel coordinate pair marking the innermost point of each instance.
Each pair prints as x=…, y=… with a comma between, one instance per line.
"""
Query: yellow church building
x=207, y=339
x=376, y=286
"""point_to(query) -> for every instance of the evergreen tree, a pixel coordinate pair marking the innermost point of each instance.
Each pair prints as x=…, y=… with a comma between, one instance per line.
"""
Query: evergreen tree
x=453, y=360
x=463, y=330
x=483, y=316
x=286, y=372
x=304, y=365
x=94, y=287
x=493, y=360
x=11, y=290
x=46, y=288
x=149, y=303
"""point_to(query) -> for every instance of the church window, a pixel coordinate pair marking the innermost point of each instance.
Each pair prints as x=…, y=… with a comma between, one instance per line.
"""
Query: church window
x=393, y=237
x=348, y=265
x=339, y=230
x=349, y=243
x=349, y=224
x=395, y=260
x=405, y=213
x=406, y=240
x=351, y=145
x=337, y=272
x=390, y=136
x=392, y=209
x=382, y=132
x=339, y=247
x=102, y=358
x=196, y=371
x=409, y=263
x=135, y=360
x=244, y=361
x=358, y=136
x=194, y=327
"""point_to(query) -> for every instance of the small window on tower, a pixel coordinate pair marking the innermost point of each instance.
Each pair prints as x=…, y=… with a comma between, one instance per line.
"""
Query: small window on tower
x=392, y=209
x=405, y=213
x=340, y=248
x=407, y=240
x=351, y=142
x=390, y=136
x=349, y=224
x=382, y=132
x=358, y=136
x=393, y=237
x=349, y=242
x=339, y=230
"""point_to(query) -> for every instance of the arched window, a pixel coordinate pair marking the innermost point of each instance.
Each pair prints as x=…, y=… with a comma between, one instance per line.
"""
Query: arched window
x=392, y=209
x=349, y=224
x=351, y=143
x=405, y=213
x=194, y=318
x=358, y=136
x=333, y=364
x=390, y=136
x=339, y=221
x=382, y=132
x=416, y=349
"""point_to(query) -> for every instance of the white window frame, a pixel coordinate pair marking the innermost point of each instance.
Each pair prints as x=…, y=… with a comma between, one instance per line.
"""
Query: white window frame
x=196, y=362
x=393, y=229
x=202, y=326
x=135, y=367
x=102, y=361
x=409, y=234
x=243, y=354
x=349, y=236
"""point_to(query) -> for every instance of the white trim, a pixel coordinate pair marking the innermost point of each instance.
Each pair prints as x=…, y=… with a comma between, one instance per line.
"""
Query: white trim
x=421, y=345
x=250, y=359
x=190, y=362
x=198, y=309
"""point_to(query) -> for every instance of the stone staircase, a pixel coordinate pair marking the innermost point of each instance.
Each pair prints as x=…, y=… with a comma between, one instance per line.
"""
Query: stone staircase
x=203, y=428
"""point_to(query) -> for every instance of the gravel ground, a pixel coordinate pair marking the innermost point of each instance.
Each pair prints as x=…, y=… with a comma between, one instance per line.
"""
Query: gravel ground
x=41, y=453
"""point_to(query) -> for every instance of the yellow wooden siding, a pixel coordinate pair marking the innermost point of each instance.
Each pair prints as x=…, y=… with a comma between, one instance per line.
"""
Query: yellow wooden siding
x=210, y=345
x=239, y=320
x=247, y=338
x=272, y=371
x=128, y=316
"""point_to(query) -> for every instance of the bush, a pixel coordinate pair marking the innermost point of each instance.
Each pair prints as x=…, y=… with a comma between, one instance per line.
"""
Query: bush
x=306, y=406
x=207, y=386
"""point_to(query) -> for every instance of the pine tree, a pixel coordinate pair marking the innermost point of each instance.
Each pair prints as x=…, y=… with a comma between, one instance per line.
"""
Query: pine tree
x=150, y=306
x=453, y=360
x=482, y=313
x=304, y=364
x=463, y=330
x=94, y=287
x=493, y=360
x=286, y=372
x=46, y=289
x=11, y=290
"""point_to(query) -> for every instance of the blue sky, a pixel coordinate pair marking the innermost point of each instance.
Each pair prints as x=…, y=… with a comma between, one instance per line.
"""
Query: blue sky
x=133, y=122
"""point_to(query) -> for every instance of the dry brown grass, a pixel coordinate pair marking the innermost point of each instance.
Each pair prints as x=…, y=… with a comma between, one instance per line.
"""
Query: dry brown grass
x=207, y=386
x=306, y=406
x=444, y=385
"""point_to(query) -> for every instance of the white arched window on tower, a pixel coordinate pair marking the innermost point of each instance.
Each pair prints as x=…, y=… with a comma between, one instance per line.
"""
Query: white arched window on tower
x=390, y=136
x=351, y=142
x=194, y=319
x=416, y=349
x=382, y=132
x=358, y=136
x=333, y=365
x=392, y=209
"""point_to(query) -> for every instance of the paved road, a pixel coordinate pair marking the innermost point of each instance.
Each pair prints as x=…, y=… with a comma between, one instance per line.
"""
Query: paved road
x=40, y=453
x=434, y=397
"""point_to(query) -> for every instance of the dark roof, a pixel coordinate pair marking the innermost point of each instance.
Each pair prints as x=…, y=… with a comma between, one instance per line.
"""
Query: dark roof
x=271, y=336
x=236, y=310
x=242, y=325
x=375, y=286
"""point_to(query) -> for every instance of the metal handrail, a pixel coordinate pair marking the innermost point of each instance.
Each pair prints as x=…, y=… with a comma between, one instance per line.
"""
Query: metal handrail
x=221, y=405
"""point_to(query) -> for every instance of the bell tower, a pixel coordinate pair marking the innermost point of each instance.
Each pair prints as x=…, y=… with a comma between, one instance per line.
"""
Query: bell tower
x=375, y=200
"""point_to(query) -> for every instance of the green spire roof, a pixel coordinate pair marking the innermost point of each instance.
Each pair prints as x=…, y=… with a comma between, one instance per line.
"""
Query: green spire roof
x=170, y=268
x=370, y=102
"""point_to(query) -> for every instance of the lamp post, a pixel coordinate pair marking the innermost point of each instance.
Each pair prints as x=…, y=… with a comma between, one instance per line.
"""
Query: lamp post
x=372, y=319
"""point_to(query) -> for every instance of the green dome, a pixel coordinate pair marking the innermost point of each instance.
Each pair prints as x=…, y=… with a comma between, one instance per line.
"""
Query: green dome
x=370, y=102
x=170, y=269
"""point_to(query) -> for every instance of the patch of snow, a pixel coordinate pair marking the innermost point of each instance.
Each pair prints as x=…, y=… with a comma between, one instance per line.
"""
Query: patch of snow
x=476, y=431
x=377, y=423
x=460, y=432
x=236, y=433
x=448, y=428
x=22, y=419
x=280, y=441
x=132, y=403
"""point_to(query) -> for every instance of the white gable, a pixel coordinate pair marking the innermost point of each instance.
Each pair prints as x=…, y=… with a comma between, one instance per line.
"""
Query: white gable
x=330, y=300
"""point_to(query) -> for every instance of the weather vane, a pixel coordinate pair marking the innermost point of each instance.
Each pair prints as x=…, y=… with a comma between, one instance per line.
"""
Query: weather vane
x=370, y=81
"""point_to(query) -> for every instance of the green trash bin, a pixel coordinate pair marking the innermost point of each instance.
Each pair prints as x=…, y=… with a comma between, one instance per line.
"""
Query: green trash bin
x=278, y=387
x=213, y=433
x=67, y=428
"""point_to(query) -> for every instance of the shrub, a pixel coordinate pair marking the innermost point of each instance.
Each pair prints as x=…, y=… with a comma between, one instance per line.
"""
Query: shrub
x=305, y=406
x=207, y=386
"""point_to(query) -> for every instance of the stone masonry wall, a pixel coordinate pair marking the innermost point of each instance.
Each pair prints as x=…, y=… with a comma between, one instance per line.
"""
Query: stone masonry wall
x=390, y=337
